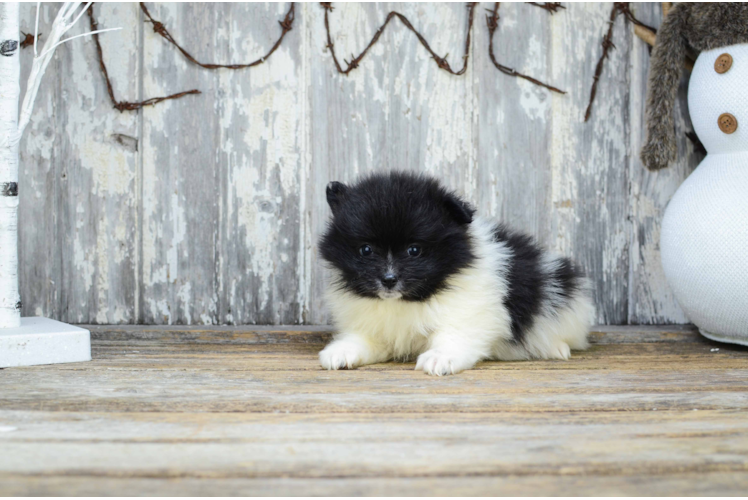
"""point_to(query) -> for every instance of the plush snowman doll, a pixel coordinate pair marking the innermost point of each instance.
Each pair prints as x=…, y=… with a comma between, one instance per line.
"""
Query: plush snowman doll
x=704, y=238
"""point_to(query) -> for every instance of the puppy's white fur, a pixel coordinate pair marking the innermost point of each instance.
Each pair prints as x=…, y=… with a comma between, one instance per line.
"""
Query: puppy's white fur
x=460, y=326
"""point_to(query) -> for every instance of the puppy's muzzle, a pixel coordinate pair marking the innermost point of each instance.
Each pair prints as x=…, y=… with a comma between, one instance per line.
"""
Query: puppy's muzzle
x=389, y=281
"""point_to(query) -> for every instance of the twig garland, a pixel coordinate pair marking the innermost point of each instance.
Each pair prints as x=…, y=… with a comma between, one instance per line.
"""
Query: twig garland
x=286, y=26
x=125, y=105
x=158, y=27
x=440, y=61
x=551, y=7
x=492, y=21
x=493, y=24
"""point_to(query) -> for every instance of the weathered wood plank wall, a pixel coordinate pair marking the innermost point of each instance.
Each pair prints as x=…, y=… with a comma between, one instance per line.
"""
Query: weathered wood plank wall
x=207, y=209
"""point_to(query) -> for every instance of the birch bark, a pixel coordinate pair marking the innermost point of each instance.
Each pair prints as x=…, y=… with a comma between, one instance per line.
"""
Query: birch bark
x=10, y=300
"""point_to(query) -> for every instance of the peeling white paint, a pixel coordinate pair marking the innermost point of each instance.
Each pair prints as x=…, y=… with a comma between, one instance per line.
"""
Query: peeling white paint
x=179, y=231
x=160, y=311
x=534, y=100
x=243, y=248
x=184, y=301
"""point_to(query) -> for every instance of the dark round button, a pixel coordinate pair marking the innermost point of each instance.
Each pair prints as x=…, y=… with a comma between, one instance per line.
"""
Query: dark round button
x=727, y=123
x=723, y=63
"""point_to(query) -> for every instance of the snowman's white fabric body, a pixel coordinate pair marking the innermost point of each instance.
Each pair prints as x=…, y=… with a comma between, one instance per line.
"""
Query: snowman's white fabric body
x=704, y=239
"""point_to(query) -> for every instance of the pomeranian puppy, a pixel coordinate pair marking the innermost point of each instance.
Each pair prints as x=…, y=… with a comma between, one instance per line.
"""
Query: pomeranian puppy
x=415, y=275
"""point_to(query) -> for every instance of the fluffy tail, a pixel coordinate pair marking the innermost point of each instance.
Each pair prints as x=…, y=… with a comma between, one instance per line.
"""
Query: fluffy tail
x=664, y=74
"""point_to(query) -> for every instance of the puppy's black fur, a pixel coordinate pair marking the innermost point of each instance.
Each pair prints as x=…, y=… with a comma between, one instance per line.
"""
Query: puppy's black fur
x=529, y=284
x=390, y=213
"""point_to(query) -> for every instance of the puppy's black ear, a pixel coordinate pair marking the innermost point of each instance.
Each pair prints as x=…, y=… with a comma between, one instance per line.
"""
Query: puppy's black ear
x=335, y=195
x=460, y=210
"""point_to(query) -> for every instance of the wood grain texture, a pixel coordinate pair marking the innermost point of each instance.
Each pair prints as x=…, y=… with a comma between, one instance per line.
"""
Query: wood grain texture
x=349, y=116
x=261, y=171
x=330, y=446
x=702, y=484
x=40, y=248
x=207, y=209
x=650, y=298
x=98, y=212
x=588, y=160
x=78, y=248
x=219, y=410
x=181, y=181
x=514, y=177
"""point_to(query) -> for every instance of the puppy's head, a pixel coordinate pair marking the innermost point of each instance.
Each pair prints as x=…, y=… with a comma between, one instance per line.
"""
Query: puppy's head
x=396, y=236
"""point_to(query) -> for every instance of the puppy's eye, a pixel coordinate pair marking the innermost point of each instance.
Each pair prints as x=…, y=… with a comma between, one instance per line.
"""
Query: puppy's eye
x=365, y=250
x=414, y=250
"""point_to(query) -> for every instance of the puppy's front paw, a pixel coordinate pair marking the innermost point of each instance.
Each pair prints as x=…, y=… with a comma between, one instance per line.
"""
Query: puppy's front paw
x=560, y=351
x=340, y=355
x=435, y=362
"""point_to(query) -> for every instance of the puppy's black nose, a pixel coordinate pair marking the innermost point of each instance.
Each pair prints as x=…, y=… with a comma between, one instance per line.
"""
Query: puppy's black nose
x=389, y=280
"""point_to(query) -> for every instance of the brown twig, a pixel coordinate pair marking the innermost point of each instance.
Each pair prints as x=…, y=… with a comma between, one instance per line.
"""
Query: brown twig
x=125, y=105
x=649, y=37
x=666, y=6
x=646, y=35
x=551, y=7
x=286, y=26
x=28, y=39
x=493, y=25
x=626, y=11
x=440, y=61
x=607, y=44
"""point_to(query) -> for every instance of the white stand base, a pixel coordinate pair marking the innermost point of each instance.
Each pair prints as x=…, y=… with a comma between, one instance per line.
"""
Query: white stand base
x=42, y=341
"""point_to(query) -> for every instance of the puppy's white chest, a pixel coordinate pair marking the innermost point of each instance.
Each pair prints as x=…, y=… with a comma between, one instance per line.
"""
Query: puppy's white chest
x=401, y=327
x=394, y=319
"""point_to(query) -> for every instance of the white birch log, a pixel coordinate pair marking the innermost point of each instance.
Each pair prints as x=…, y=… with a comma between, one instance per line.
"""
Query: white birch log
x=10, y=300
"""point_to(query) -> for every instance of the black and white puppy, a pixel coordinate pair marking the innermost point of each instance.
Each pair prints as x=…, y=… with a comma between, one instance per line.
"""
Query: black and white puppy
x=415, y=274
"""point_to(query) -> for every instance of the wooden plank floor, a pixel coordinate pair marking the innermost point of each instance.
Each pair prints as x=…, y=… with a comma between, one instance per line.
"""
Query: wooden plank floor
x=227, y=411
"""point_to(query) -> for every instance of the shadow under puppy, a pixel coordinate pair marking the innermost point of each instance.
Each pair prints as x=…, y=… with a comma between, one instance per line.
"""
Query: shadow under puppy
x=414, y=274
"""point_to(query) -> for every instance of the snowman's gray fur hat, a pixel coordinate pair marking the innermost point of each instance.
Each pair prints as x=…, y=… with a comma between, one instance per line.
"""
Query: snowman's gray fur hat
x=703, y=26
